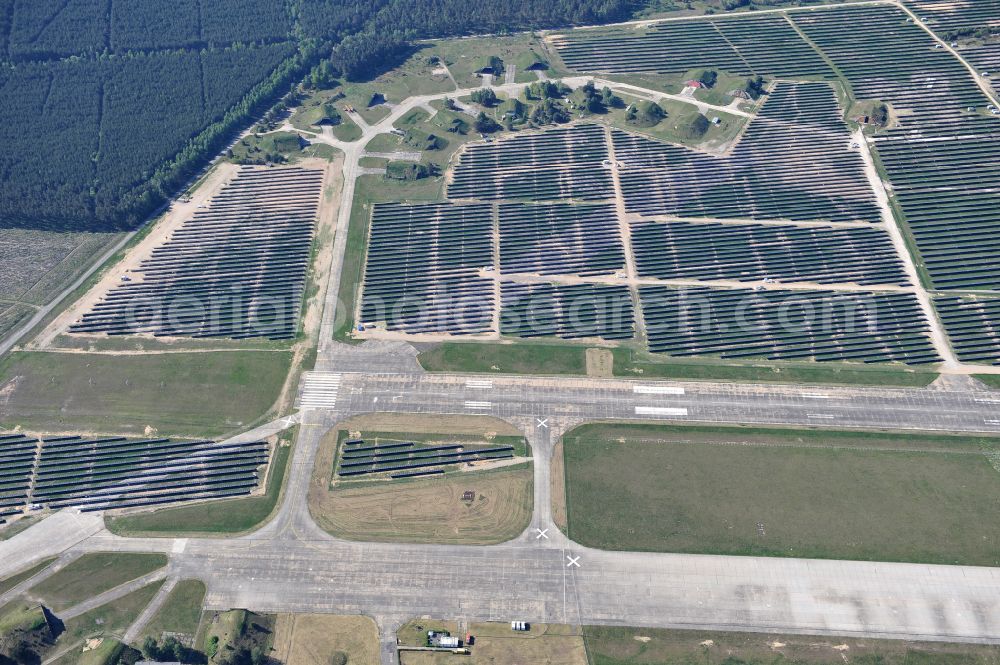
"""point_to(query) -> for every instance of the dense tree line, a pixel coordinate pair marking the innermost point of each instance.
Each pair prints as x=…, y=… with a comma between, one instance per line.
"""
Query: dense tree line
x=142, y=200
x=444, y=18
x=108, y=111
x=53, y=28
x=374, y=35
x=365, y=55
x=335, y=19
x=244, y=20
x=48, y=129
x=171, y=24
x=101, y=128
x=47, y=29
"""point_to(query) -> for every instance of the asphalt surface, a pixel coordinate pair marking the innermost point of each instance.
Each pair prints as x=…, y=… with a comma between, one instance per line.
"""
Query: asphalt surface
x=954, y=409
x=291, y=565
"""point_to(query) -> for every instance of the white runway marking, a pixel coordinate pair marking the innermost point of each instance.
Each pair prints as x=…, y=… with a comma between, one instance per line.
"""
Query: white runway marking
x=659, y=411
x=484, y=384
x=989, y=421
x=320, y=390
x=478, y=405
x=984, y=400
x=657, y=390
x=816, y=396
x=825, y=416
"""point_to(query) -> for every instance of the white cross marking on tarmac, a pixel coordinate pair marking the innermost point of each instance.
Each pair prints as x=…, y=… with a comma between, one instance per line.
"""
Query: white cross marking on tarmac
x=542, y=534
x=542, y=422
x=573, y=561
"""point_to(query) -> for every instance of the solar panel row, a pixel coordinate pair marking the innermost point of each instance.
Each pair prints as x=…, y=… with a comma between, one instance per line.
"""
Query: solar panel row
x=114, y=472
x=234, y=270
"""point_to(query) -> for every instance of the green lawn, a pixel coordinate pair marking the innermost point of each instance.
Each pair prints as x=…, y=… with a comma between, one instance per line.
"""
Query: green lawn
x=9, y=583
x=347, y=130
x=628, y=364
x=112, y=618
x=774, y=492
x=608, y=645
x=180, y=612
x=181, y=394
x=230, y=516
x=93, y=574
x=565, y=358
x=505, y=358
x=991, y=380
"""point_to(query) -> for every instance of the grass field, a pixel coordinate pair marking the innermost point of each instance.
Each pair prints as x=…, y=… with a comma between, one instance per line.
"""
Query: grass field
x=9, y=583
x=465, y=56
x=318, y=639
x=570, y=359
x=678, y=117
x=93, y=574
x=11, y=529
x=608, y=645
x=497, y=644
x=181, y=394
x=180, y=612
x=109, y=619
x=421, y=511
x=346, y=130
x=228, y=516
x=801, y=493
x=991, y=380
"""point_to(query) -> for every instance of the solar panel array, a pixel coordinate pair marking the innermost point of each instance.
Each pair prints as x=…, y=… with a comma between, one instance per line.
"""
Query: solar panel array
x=942, y=160
x=17, y=460
x=763, y=44
x=894, y=60
x=973, y=326
x=569, y=311
x=792, y=163
x=559, y=163
x=985, y=58
x=115, y=472
x=551, y=239
x=236, y=269
x=786, y=325
x=753, y=252
x=422, y=272
x=956, y=15
x=406, y=459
